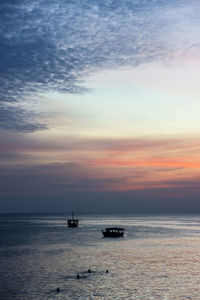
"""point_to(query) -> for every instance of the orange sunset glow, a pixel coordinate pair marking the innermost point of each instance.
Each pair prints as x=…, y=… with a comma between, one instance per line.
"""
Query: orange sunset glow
x=104, y=110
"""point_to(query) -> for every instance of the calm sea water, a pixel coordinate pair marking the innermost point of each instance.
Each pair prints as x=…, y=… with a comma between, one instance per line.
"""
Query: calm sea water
x=159, y=257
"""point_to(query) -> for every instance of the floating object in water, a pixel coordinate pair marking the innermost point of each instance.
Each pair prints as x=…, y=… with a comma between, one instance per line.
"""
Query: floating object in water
x=113, y=232
x=58, y=289
x=81, y=277
x=72, y=222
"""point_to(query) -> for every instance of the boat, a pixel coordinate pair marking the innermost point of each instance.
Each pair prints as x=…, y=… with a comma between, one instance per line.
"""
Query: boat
x=113, y=232
x=72, y=222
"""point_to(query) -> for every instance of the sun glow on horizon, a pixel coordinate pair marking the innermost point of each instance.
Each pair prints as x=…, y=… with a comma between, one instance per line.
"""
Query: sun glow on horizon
x=99, y=96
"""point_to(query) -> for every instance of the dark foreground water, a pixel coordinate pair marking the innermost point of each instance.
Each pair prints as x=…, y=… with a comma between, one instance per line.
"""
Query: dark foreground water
x=159, y=258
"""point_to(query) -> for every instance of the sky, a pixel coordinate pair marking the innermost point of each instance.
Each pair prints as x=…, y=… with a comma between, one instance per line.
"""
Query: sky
x=100, y=106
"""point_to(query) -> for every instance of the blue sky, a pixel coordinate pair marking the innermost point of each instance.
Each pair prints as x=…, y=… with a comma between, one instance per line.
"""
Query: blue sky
x=99, y=97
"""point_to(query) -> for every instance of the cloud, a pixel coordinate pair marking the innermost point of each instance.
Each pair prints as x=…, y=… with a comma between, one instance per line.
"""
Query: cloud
x=116, y=154
x=13, y=142
x=158, y=157
x=14, y=118
x=35, y=188
x=54, y=45
x=54, y=179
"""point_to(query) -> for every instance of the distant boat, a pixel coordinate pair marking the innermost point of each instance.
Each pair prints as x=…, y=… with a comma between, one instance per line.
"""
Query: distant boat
x=113, y=232
x=72, y=222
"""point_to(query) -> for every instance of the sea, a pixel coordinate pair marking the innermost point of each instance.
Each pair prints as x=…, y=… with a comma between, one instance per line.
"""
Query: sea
x=158, y=258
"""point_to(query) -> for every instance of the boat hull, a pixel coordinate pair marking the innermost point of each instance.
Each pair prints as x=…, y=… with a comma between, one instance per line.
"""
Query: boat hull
x=72, y=223
x=113, y=234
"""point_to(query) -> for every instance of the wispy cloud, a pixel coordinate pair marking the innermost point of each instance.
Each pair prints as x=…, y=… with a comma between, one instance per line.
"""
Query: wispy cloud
x=57, y=180
x=14, y=118
x=18, y=142
x=113, y=151
x=109, y=165
x=54, y=45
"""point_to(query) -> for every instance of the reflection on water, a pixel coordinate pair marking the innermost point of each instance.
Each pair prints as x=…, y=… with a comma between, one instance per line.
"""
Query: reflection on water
x=159, y=258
